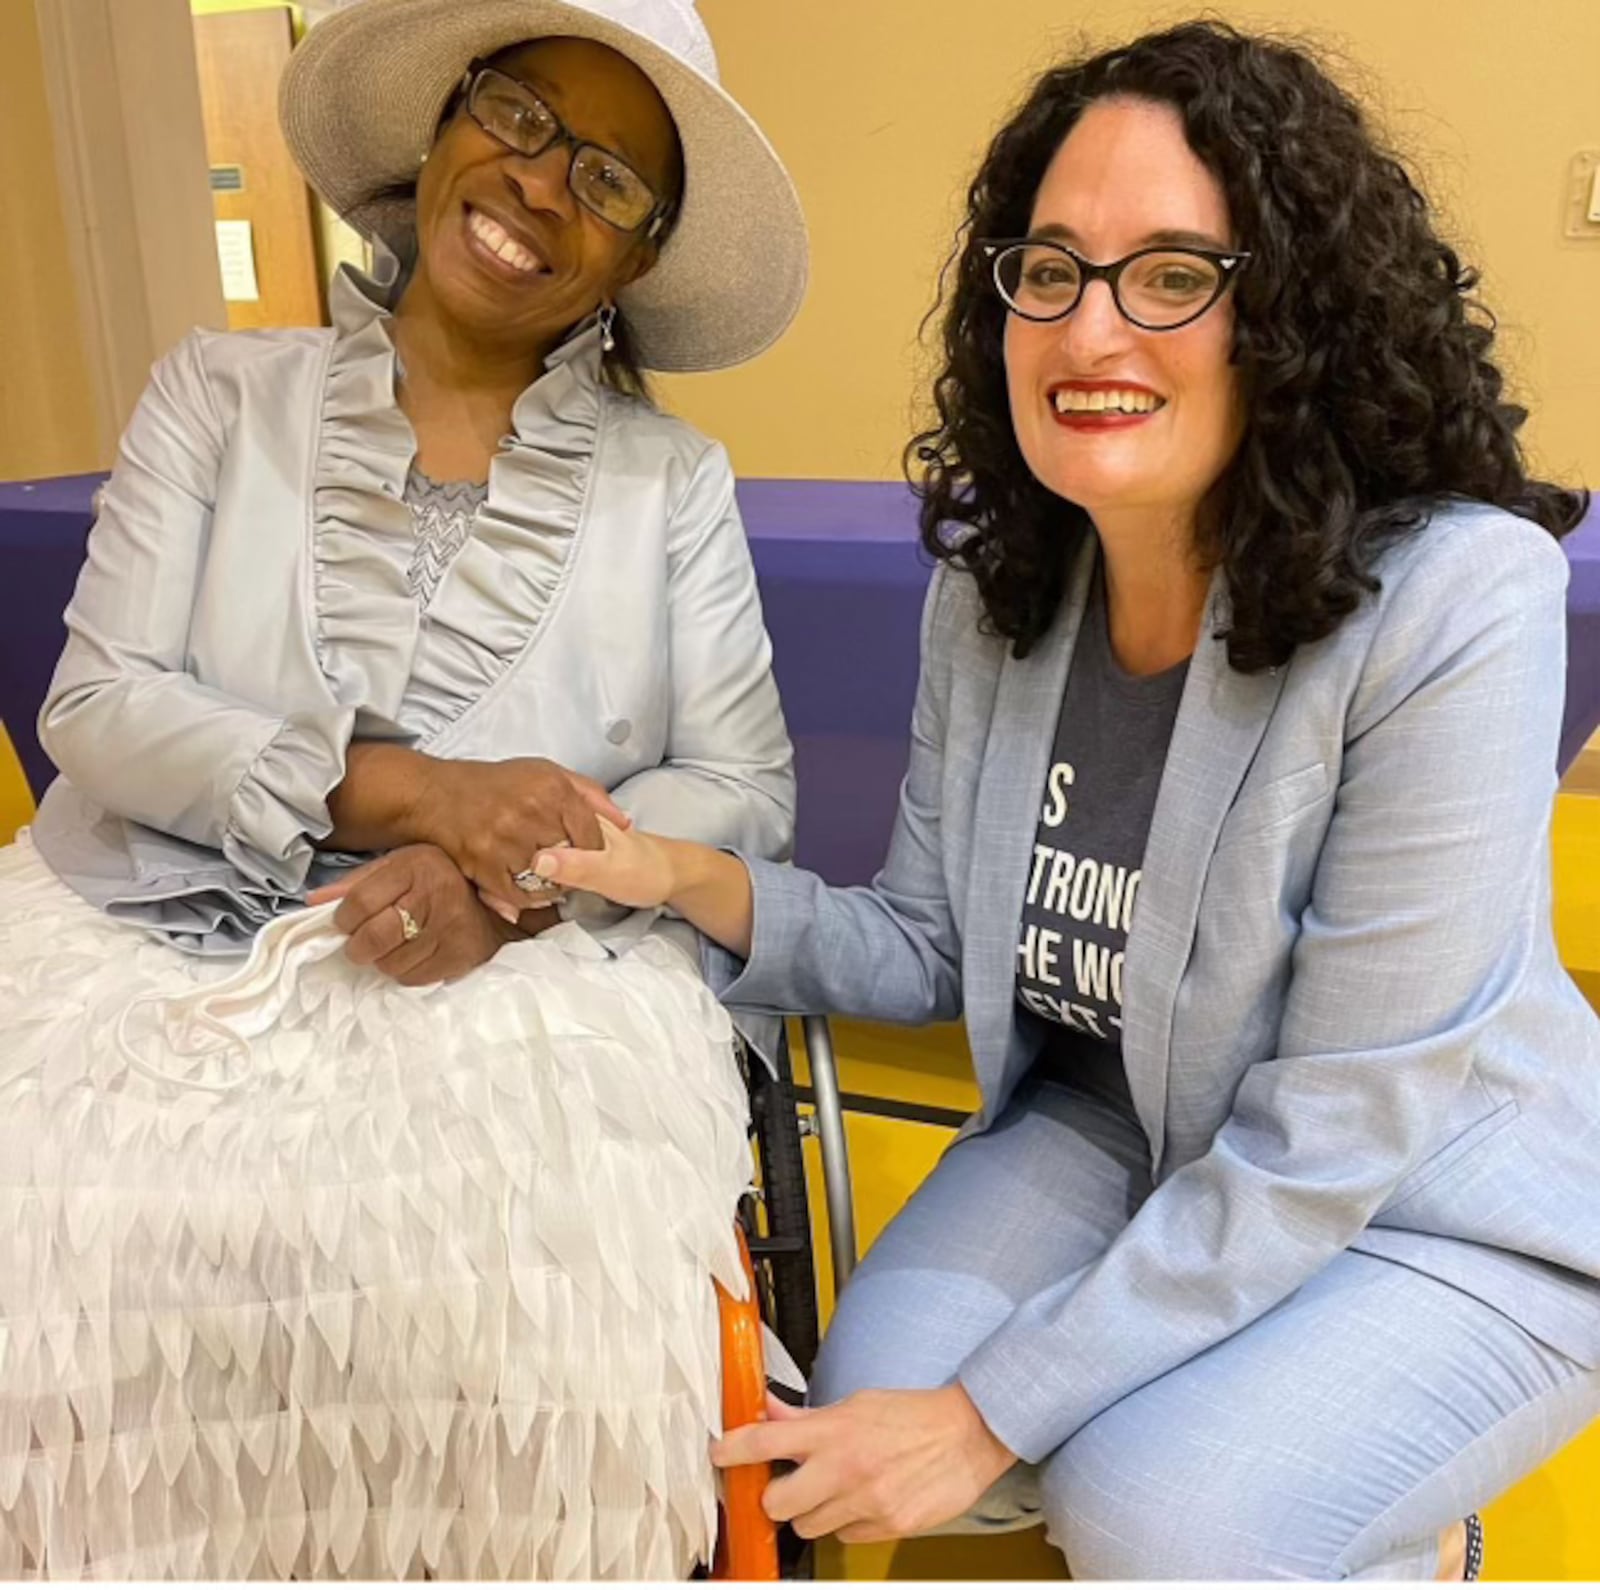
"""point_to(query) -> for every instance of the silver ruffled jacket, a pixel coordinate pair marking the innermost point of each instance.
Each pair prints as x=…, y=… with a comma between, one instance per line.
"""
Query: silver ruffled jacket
x=243, y=613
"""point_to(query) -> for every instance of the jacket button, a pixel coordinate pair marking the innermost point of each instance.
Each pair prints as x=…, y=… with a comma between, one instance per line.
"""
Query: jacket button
x=618, y=730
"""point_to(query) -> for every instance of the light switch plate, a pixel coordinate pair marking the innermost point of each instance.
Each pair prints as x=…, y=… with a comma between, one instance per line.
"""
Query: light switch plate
x=1583, y=195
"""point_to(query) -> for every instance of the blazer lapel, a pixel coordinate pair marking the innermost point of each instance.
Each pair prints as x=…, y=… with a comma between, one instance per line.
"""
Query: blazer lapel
x=1221, y=720
x=1016, y=759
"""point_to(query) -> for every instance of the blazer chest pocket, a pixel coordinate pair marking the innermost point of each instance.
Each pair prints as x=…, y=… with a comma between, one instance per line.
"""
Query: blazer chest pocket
x=1259, y=813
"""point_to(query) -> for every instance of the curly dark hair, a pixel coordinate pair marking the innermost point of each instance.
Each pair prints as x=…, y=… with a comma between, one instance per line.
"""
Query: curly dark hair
x=1365, y=357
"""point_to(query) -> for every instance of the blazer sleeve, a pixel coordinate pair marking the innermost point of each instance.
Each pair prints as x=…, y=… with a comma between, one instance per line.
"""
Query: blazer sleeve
x=888, y=951
x=728, y=774
x=123, y=720
x=1428, y=904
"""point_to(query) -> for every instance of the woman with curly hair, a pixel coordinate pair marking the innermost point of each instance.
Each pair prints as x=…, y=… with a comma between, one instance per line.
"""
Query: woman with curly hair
x=1272, y=1251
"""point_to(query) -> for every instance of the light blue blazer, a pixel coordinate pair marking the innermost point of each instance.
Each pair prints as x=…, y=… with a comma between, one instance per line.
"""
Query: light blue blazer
x=1346, y=1025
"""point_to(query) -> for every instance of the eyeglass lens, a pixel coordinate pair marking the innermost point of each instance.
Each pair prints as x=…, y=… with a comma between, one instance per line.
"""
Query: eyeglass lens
x=1162, y=289
x=514, y=114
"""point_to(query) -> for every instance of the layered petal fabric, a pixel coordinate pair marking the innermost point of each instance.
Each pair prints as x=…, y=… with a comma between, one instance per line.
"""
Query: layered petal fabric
x=305, y=1274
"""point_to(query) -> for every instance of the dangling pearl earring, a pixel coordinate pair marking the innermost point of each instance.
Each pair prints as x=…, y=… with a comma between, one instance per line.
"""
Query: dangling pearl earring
x=608, y=315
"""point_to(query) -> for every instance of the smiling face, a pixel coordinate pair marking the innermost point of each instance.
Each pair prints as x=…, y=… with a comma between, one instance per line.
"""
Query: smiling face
x=503, y=247
x=1108, y=416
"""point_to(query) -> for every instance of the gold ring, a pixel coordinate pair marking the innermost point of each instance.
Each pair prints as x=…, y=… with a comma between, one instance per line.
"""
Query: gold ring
x=409, y=926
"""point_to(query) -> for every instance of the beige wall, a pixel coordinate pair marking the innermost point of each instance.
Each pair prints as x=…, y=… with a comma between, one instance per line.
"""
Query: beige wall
x=48, y=420
x=107, y=252
x=882, y=108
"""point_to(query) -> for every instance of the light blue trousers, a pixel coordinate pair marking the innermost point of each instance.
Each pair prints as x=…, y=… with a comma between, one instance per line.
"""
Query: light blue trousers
x=1334, y=1438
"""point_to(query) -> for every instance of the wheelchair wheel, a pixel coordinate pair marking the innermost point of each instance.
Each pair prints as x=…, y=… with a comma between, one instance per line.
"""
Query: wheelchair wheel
x=779, y=1221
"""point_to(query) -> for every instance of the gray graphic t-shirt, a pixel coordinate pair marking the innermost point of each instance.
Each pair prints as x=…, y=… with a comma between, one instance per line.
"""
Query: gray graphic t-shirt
x=1083, y=879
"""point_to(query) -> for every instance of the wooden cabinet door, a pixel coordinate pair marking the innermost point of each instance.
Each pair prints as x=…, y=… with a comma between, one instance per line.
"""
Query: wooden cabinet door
x=241, y=56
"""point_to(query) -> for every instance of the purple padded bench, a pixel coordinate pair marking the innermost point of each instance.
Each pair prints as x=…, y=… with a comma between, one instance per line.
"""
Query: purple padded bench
x=842, y=580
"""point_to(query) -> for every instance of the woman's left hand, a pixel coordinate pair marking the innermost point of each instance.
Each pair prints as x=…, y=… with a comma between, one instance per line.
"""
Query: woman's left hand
x=881, y=1465
x=454, y=933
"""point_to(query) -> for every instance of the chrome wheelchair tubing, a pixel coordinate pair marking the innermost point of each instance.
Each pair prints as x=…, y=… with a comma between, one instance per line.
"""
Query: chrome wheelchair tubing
x=835, y=1157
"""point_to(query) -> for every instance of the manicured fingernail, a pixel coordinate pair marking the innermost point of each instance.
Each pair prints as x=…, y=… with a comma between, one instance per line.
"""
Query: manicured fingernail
x=545, y=866
x=508, y=912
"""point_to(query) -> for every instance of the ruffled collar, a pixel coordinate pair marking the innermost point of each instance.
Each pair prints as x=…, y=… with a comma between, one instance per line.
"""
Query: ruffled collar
x=407, y=671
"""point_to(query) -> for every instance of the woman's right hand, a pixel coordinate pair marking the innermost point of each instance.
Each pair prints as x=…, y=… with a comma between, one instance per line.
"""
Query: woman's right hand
x=494, y=818
x=629, y=867
x=709, y=888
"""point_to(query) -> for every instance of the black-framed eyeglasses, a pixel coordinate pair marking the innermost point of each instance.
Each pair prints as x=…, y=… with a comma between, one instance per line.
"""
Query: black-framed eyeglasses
x=601, y=181
x=1156, y=289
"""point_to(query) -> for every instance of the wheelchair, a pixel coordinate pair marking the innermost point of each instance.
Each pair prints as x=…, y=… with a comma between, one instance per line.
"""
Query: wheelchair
x=776, y=1240
x=775, y=1232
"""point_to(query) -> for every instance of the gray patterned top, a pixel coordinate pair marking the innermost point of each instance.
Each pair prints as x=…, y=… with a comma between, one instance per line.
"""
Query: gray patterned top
x=442, y=512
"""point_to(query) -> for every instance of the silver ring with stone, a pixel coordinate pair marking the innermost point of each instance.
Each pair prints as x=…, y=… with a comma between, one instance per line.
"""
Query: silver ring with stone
x=530, y=882
x=409, y=926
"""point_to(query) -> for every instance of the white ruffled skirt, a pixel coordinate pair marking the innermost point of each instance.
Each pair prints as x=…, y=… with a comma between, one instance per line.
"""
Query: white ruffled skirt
x=303, y=1273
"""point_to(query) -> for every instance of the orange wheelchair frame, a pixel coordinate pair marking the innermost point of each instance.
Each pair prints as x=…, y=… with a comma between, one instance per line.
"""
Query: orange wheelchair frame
x=748, y=1541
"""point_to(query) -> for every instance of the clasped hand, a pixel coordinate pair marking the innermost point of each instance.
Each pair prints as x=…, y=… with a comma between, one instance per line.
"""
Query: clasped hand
x=494, y=818
x=415, y=917
x=434, y=909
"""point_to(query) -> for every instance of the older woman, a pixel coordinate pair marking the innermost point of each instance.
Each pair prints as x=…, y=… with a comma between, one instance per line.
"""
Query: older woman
x=400, y=1260
x=1274, y=1247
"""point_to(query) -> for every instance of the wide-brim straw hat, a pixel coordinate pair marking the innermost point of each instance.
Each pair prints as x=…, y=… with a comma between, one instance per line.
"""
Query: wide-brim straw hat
x=360, y=103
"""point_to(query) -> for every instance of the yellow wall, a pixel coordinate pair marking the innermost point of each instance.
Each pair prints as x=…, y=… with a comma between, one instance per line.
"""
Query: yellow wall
x=882, y=110
x=47, y=412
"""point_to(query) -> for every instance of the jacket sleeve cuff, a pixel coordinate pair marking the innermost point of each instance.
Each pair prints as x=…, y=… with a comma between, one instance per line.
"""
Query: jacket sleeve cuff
x=758, y=982
x=1000, y=1379
x=281, y=804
